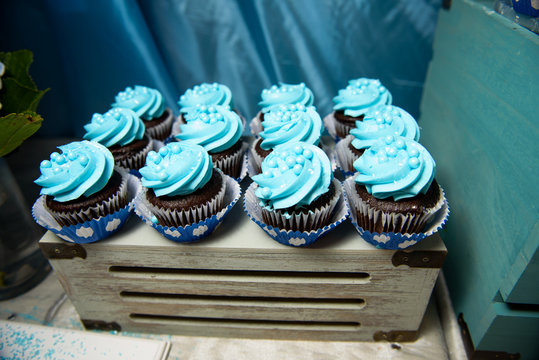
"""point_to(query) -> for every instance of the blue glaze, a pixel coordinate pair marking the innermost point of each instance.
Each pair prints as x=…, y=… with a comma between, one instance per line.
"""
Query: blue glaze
x=82, y=169
x=294, y=174
x=382, y=121
x=288, y=123
x=205, y=94
x=146, y=102
x=179, y=168
x=118, y=126
x=395, y=167
x=216, y=128
x=360, y=95
x=285, y=94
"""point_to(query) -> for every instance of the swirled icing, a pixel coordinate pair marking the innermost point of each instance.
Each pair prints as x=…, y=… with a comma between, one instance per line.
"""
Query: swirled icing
x=216, y=128
x=288, y=123
x=294, y=174
x=118, y=126
x=285, y=94
x=205, y=94
x=395, y=167
x=146, y=102
x=82, y=169
x=382, y=121
x=360, y=95
x=179, y=168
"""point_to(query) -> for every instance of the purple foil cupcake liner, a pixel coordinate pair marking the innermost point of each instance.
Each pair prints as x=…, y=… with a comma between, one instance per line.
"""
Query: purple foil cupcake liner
x=89, y=231
x=288, y=237
x=194, y=232
x=391, y=240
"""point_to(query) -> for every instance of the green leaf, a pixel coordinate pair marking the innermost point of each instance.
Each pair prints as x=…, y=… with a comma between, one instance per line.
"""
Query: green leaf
x=17, y=65
x=16, y=128
x=17, y=98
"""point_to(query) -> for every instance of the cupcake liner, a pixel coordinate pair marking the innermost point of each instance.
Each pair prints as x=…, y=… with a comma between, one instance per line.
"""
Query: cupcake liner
x=256, y=125
x=253, y=209
x=197, y=231
x=329, y=124
x=390, y=240
x=137, y=161
x=244, y=163
x=255, y=161
x=344, y=158
x=161, y=131
x=180, y=216
x=93, y=212
x=228, y=164
x=92, y=230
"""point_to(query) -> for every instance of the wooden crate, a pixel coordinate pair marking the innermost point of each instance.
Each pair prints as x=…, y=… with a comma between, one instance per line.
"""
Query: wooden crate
x=240, y=283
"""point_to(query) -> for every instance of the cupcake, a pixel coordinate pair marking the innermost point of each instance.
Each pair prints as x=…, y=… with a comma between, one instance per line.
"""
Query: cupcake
x=83, y=192
x=181, y=186
x=296, y=190
x=122, y=132
x=286, y=123
x=149, y=105
x=205, y=94
x=379, y=122
x=353, y=102
x=218, y=130
x=394, y=190
x=283, y=94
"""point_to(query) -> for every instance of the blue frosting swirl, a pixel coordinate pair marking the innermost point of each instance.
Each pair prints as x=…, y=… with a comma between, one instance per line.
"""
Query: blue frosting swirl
x=382, y=121
x=395, y=167
x=82, y=169
x=217, y=128
x=294, y=174
x=118, y=126
x=179, y=168
x=360, y=95
x=205, y=94
x=289, y=123
x=285, y=94
x=146, y=102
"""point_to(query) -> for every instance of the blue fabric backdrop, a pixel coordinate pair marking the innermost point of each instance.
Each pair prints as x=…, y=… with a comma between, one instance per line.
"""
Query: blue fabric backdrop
x=88, y=50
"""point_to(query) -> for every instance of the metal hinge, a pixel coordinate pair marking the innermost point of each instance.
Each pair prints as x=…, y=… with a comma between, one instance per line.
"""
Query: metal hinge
x=419, y=259
x=62, y=250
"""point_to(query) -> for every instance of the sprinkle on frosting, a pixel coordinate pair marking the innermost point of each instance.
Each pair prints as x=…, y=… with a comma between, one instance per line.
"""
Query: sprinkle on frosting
x=205, y=94
x=216, y=128
x=382, y=121
x=360, y=95
x=118, y=126
x=82, y=169
x=288, y=123
x=285, y=94
x=146, y=102
x=395, y=167
x=179, y=168
x=294, y=174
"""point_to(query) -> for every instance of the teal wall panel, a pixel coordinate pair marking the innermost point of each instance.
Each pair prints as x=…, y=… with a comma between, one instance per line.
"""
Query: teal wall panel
x=480, y=121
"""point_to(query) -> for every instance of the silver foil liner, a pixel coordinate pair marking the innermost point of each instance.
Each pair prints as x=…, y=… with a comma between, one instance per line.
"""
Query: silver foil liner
x=161, y=131
x=96, y=228
x=181, y=217
x=337, y=212
x=196, y=230
x=344, y=156
x=137, y=161
x=430, y=222
x=256, y=125
x=229, y=163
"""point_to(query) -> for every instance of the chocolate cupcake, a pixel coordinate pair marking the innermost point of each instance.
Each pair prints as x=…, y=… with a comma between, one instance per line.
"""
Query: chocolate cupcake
x=353, y=102
x=286, y=123
x=394, y=190
x=205, y=94
x=275, y=96
x=122, y=132
x=218, y=130
x=181, y=186
x=296, y=189
x=80, y=188
x=149, y=105
x=379, y=122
